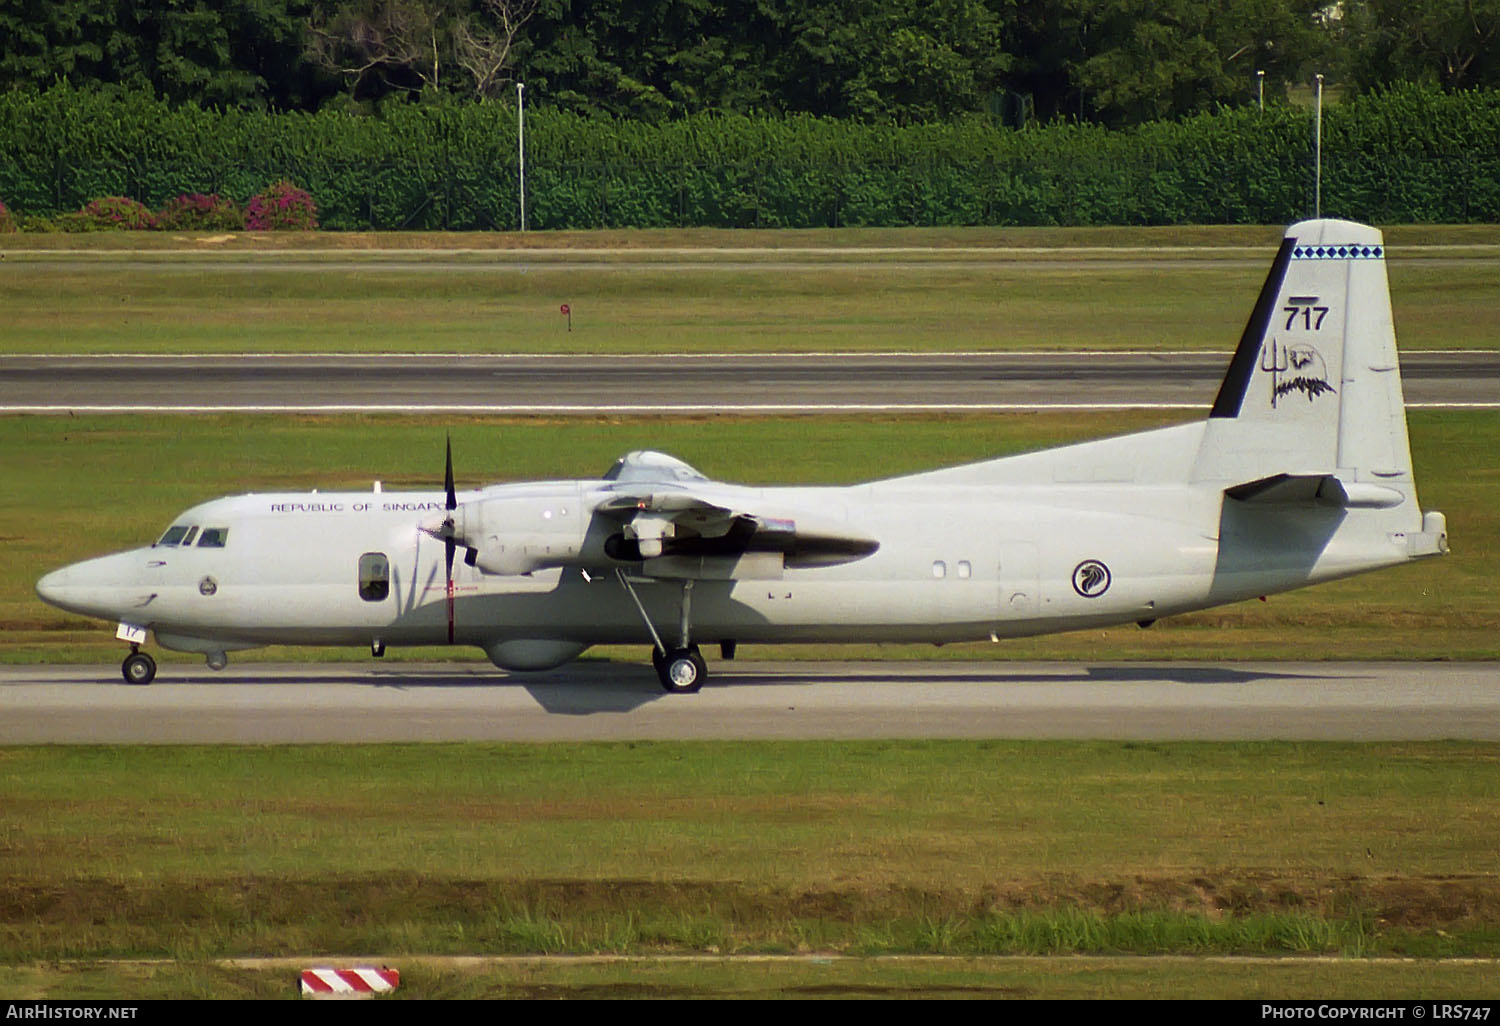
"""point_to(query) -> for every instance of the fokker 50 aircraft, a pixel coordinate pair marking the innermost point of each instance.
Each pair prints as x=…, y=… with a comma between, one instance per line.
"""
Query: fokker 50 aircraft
x=1301, y=473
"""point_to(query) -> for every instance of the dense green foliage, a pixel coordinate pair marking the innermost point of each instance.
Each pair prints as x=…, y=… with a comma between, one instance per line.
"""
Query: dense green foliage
x=1405, y=155
x=1111, y=61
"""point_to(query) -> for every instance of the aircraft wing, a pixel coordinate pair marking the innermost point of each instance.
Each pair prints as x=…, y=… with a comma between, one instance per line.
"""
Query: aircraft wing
x=650, y=510
x=682, y=524
x=719, y=533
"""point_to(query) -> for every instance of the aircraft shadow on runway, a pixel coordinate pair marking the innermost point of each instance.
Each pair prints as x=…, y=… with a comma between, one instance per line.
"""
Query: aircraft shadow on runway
x=584, y=689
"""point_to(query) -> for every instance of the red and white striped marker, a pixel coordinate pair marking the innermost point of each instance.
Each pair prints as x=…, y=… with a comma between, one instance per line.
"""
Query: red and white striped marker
x=348, y=983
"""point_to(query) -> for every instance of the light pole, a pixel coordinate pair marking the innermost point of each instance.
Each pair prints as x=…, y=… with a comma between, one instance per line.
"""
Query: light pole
x=1318, y=154
x=521, y=146
x=1260, y=89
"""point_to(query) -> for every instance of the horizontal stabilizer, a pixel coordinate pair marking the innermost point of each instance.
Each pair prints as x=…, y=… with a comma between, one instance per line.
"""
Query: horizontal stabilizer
x=1323, y=489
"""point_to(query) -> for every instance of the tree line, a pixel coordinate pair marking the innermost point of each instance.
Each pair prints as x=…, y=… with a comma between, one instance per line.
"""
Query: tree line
x=1404, y=154
x=1111, y=62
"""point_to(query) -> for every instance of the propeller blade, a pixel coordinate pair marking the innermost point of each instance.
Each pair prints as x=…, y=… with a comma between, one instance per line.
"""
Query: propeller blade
x=448, y=543
x=448, y=477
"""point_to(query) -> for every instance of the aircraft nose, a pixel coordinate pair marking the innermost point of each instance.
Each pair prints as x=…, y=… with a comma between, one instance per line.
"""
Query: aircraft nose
x=102, y=587
x=50, y=588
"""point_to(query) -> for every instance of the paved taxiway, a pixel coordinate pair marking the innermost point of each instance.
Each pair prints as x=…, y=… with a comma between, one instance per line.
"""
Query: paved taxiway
x=273, y=703
x=667, y=383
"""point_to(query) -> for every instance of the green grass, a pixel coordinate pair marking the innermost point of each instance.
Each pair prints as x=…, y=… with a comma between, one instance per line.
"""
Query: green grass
x=1073, y=978
x=728, y=238
x=506, y=299
x=128, y=476
x=957, y=848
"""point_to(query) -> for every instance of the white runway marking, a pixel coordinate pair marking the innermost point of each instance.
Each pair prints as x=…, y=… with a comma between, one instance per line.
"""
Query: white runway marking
x=658, y=409
x=595, y=357
x=642, y=409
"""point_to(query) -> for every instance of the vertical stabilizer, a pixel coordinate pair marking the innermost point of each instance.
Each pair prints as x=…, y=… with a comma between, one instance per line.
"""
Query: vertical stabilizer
x=1314, y=388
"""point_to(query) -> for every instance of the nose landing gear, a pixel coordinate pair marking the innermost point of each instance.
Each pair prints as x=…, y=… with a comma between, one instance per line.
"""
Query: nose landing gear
x=138, y=667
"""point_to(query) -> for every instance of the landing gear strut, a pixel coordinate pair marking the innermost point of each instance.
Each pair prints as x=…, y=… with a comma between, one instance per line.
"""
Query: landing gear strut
x=138, y=667
x=681, y=670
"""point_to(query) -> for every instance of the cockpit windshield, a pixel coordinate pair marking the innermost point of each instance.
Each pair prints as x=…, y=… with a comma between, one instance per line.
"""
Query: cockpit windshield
x=174, y=535
x=182, y=535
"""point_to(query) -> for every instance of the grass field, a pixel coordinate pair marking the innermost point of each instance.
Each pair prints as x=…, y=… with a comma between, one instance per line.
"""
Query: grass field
x=924, y=290
x=127, y=477
x=949, y=978
x=956, y=848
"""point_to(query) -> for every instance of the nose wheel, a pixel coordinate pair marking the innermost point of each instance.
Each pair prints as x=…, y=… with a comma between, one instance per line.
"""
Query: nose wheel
x=138, y=668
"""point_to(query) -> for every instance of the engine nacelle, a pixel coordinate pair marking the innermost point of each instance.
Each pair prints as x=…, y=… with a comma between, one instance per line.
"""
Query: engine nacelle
x=522, y=533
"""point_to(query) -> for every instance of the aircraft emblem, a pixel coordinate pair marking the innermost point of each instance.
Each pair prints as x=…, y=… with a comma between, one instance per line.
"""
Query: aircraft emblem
x=1091, y=578
x=1294, y=368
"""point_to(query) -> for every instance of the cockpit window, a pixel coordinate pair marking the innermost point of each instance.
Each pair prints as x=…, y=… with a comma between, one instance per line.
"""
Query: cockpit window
x=213, y=537
x=174, y=535
x=188, y=539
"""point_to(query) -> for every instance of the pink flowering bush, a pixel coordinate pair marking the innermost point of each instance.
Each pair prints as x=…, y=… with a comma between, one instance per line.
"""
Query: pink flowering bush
x=7, y=219
x=282, y=206
x=195, y=212
x=113, y=212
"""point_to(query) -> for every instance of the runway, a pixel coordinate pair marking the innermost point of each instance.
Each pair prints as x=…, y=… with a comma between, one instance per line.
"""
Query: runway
x=595, y=701
x=669, y=383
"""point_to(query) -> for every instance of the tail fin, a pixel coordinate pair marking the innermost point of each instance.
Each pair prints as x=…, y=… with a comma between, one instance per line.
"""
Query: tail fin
x=1314, y=387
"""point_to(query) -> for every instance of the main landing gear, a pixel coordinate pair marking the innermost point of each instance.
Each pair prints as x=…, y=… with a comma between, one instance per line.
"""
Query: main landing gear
x=138, y=667
x=682, y=669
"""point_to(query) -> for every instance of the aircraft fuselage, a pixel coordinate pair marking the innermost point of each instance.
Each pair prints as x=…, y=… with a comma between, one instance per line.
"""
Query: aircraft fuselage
x=975, y=563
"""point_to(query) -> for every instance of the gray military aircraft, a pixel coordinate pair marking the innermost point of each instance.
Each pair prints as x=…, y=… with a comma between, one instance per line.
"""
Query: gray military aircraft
x=1301, y=473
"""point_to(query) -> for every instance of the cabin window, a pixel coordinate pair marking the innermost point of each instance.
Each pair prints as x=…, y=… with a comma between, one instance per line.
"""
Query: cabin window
x=374, y=576
x=174, y=535
x=965, y=571
x=939, y=568
x=213, y=538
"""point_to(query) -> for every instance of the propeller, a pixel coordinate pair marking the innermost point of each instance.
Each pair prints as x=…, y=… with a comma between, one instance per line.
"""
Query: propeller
x=448, y=543
x=447, y=529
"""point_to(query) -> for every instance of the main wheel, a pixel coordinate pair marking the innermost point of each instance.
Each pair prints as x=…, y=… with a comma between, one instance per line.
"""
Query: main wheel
x=138, y=668
x=682, y=672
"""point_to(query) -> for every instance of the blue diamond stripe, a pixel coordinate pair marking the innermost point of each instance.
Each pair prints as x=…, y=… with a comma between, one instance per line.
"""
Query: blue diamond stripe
x=1344, y=252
